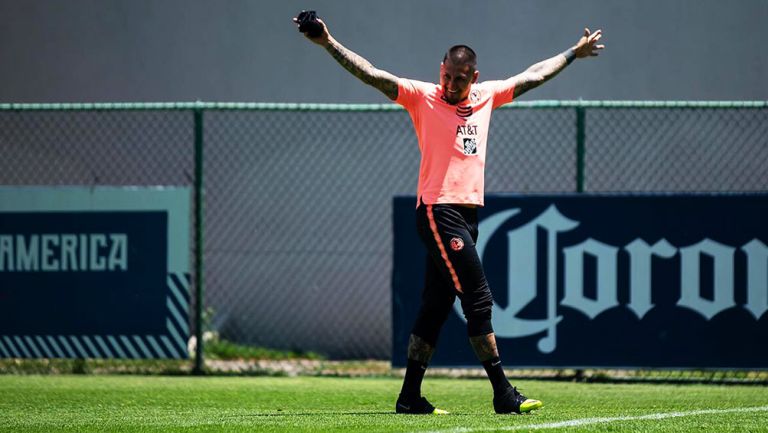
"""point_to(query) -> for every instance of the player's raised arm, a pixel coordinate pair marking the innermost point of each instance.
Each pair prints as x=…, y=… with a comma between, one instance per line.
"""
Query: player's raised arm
x=351, y=61
x=539, y=73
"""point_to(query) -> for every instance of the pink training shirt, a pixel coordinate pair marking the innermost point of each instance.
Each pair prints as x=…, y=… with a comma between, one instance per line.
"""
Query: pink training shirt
x=452, y=138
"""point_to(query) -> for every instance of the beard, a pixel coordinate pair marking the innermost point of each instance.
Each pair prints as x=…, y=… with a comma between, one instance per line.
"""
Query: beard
x=452, y=98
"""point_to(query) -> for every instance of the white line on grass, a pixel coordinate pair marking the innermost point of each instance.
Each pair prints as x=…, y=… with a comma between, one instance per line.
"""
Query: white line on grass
x=591, y=421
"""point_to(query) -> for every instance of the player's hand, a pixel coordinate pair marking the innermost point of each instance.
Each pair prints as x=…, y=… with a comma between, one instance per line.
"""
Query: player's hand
x=587, y=45
x=322, y=38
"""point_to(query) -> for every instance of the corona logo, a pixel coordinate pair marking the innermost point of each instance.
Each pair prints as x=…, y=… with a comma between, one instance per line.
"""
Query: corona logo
x=522, y=247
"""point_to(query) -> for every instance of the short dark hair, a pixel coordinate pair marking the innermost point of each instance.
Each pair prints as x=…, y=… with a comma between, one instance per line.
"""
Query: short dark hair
x=461, y=54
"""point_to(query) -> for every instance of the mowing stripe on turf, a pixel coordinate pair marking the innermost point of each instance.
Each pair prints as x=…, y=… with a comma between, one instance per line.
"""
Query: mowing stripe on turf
x=591, y=421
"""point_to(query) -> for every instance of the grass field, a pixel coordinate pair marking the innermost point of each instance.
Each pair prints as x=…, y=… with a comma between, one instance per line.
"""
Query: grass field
x=275, y=404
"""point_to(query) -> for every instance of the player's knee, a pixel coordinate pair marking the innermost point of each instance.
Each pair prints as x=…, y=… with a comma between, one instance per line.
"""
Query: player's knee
x=428, y=330
x=477, y=304
x=430, y=320
x=477, y=310
x=479, y=323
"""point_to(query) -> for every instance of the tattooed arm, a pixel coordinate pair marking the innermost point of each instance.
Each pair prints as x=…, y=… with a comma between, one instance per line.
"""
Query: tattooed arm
x=362, y=69
x=543, y=71
x=356, y=65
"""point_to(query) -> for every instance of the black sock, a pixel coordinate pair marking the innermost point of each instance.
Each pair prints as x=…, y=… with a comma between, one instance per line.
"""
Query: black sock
x=496, y=375
x=414, y=374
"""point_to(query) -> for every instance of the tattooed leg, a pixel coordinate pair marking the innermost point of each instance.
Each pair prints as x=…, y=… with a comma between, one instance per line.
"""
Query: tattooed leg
x=484, y=346
x=419, y=354
x=488, y=354
x=419, y=350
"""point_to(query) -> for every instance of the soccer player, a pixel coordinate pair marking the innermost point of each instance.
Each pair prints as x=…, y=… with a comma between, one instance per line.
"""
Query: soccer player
x=451, y=121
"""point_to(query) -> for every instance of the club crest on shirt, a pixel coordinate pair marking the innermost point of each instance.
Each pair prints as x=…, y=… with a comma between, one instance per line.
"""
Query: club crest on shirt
x=474, y=96
x=457, y=244
x=470, y=146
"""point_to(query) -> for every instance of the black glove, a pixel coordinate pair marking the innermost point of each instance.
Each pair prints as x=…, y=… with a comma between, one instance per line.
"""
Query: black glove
x=309, y=24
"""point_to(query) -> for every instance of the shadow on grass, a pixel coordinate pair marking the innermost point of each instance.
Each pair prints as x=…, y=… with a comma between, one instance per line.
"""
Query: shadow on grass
x=354, y=413
x=288, y=413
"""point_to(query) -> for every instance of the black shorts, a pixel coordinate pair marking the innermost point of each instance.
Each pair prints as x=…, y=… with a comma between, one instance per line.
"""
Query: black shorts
x=453, y=267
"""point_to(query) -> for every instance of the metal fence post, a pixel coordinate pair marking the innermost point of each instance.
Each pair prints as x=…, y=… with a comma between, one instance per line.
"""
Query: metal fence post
x=199, y=195
x=580, y=136
x=580, y=149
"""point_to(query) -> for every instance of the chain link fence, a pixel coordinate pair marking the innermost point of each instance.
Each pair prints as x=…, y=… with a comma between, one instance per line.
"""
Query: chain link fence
x=676, y=149
x=297, y=204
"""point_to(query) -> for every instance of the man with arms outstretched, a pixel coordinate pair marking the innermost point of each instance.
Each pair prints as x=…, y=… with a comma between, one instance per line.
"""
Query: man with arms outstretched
x=451, y=121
